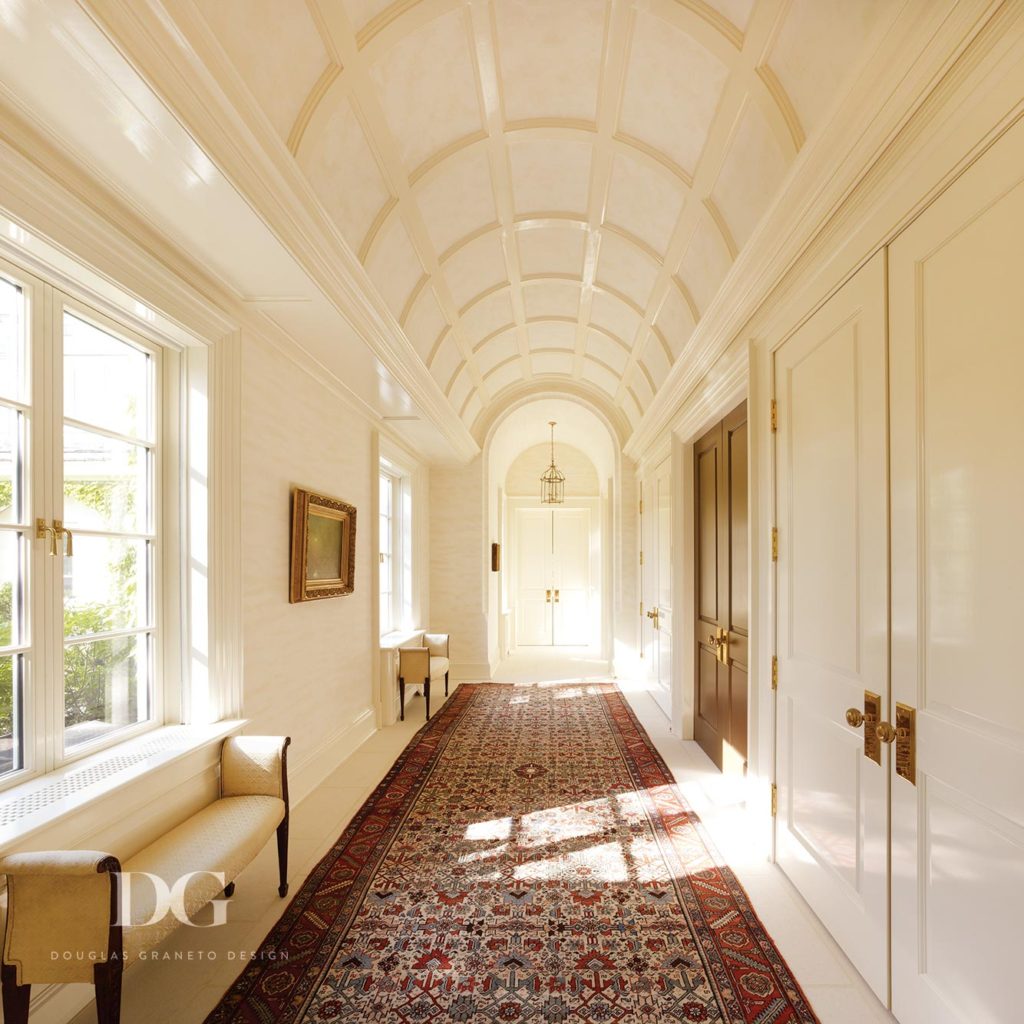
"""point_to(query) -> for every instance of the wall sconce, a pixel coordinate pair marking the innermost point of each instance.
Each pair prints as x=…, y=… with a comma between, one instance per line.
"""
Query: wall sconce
x=495, y=558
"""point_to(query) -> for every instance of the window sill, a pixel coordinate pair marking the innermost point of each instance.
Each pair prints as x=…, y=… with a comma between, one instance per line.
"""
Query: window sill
x=399, y=637
x=38, y=804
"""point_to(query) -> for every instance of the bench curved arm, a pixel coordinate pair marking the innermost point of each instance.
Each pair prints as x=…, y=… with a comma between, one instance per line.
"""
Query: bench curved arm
x=61, y=915
x=255, y=766
x=437, y=644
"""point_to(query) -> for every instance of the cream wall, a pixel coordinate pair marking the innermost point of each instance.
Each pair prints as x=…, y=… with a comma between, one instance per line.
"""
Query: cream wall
x=458, y=549
x=308, y=668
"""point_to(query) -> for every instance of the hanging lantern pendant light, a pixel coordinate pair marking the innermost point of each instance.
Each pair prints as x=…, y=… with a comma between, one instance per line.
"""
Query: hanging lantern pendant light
x=552, y=483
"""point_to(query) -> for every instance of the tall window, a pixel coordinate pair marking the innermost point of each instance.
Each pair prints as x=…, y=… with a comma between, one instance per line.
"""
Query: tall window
x=395, y=548
x=79, y=494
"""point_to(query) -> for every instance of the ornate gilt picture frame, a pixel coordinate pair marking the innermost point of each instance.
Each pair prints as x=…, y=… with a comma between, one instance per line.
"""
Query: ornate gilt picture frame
x=323, y=562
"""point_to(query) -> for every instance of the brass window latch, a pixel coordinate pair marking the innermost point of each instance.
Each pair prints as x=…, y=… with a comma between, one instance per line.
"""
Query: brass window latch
x=55, y=532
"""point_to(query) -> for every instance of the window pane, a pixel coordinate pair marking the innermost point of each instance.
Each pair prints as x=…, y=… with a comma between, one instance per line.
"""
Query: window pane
x=10, y=712
x=106, y=483
x=12, y=341
x=10, y=591
x=106, y=585
x=106, y=687
x=106, y=380
x=385, y=495
x=10, y=462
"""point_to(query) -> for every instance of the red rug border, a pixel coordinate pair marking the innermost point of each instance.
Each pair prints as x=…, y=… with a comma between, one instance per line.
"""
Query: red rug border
x=418, y=758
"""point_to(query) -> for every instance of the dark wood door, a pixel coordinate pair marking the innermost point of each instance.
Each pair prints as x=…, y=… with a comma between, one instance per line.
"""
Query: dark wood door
x=722, y=570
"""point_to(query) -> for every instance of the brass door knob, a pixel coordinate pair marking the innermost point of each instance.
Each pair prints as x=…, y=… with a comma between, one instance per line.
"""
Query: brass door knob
x=885, y=732
x=713, y=640
x=854, y=717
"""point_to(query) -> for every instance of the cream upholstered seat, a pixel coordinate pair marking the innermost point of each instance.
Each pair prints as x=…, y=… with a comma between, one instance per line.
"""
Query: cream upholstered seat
x=420, y=664
x=67, y=920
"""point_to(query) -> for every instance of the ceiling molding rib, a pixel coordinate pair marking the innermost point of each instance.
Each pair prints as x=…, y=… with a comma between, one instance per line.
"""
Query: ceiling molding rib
x=382, y=141
x=618, y=31
x=170, y=46
x=761, y=28
x=488, y=75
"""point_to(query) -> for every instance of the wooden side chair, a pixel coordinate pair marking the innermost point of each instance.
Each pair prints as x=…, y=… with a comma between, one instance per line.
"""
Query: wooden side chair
x=418, y=665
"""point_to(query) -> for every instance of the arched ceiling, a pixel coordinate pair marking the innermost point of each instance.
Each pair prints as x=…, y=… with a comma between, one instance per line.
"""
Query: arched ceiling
x=545, y=192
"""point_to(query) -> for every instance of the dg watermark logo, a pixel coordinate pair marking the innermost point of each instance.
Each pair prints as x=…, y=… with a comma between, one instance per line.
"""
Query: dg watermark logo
x=168, y=899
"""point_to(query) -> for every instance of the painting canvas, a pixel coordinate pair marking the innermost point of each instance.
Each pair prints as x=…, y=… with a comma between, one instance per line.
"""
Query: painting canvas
x=323, y=546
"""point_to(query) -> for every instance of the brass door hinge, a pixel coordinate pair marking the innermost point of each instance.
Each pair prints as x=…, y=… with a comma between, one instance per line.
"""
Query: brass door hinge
x=775, y=800
x=775, y=543
x=641, y=609
x=641, y=506
x=641, y=558
x=775, y=416
x=775, y=672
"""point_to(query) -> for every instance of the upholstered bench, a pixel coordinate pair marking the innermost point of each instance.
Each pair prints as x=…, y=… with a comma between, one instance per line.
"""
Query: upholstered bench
x=65, y=908
x=421, y=663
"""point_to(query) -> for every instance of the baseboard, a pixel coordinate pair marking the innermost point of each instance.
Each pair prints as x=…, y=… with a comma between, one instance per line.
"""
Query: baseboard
x=466, y=673
x=306, y=773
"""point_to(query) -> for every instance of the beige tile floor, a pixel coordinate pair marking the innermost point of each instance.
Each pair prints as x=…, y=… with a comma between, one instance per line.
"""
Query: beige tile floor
x=184, y=990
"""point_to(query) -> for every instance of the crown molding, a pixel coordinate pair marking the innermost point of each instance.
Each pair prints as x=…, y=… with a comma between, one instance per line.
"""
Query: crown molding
x=835, y=180
x=171, y=48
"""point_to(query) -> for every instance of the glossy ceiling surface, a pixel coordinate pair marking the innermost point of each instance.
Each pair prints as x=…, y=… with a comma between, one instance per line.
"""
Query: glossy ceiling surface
x=547, y=194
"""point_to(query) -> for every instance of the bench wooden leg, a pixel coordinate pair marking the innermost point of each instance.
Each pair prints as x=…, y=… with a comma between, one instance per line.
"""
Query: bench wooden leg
x=229, y=890
x=401, y=695
x=426, y=693
x=446, y=684
x=15, y=996
x=282, y=857
x=108, y=991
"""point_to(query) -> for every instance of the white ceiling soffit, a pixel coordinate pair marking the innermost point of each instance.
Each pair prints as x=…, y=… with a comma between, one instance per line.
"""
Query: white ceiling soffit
x=541, y=193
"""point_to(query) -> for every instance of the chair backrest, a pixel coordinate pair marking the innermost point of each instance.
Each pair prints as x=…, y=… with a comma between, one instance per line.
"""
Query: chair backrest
x=414, y=664
x=437, y=644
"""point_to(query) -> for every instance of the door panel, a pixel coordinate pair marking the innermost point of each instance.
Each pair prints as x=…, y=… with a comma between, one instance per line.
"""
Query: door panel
x=663, y=582
x=533, y=577
x=722, y=570
x=571, y=576
x=832, y=596
x=957, y=321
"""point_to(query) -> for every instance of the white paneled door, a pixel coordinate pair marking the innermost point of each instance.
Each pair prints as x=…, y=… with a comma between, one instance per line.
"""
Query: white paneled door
x=832, y=593
x=957, y=371
x=554, y=601
x=656, y=585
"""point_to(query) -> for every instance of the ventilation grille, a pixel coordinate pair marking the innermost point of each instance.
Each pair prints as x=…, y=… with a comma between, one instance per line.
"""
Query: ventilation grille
x=99, y=771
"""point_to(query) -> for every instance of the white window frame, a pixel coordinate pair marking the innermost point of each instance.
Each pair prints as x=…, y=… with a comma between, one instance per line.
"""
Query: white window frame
x=46, y=299
x=402, y=545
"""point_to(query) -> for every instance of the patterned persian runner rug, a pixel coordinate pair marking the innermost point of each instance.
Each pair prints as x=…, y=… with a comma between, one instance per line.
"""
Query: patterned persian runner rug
x=528, y=858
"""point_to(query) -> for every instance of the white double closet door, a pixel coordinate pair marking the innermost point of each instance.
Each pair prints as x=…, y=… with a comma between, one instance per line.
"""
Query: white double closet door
x=553, y=577
x=900, y=595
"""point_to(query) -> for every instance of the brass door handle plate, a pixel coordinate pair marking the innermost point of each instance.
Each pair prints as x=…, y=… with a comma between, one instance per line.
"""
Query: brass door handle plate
x=854, y=717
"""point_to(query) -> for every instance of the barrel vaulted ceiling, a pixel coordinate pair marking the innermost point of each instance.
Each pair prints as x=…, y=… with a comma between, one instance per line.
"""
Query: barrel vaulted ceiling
x=546, y=193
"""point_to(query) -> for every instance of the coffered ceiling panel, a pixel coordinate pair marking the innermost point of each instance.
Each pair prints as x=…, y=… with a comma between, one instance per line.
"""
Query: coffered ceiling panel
x=817, y=47
x=427, y=88
x=546, y=188
x=458, y=199
x=672, y=88
x=344, y=172
x=550, y=175
x=425, y=322
x=551, y=250
x=644, y=201
x=476, y=267
x=550, y=57
x=393, y=265
x=750, y=177
x=276, y=48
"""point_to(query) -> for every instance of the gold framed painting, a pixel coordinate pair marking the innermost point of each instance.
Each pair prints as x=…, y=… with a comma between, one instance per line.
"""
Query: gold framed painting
x=323, y=547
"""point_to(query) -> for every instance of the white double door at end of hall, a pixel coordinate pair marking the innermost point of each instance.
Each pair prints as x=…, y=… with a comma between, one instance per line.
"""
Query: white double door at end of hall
x=553, y=577
x=900, y=749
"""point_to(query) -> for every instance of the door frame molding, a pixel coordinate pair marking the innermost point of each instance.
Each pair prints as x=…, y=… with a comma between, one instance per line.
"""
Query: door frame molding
x=598, y=562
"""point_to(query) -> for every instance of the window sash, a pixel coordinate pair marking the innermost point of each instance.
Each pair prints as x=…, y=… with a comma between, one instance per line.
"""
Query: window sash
x=40, y=649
